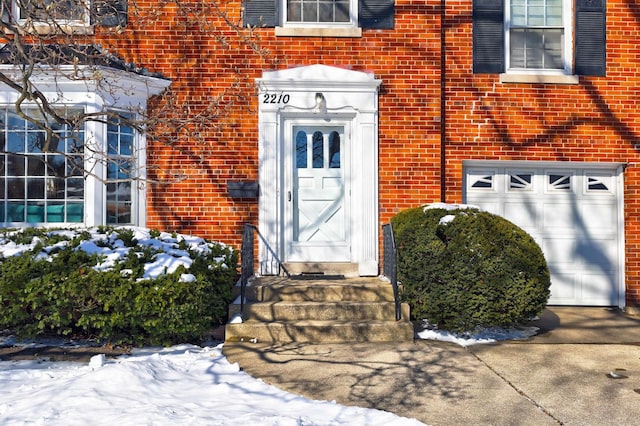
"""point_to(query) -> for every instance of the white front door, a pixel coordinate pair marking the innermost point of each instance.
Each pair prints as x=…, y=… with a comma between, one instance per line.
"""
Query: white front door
x=317, y=208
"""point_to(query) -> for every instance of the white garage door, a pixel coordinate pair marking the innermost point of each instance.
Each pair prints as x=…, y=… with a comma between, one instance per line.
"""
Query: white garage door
x=574, y=213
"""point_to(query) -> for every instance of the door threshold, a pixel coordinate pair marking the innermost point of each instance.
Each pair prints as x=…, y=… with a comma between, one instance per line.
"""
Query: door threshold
x=317, y=276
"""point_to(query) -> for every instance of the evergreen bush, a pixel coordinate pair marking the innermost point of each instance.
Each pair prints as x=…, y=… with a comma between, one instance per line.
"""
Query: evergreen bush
x=64, y=286
x=462, y=268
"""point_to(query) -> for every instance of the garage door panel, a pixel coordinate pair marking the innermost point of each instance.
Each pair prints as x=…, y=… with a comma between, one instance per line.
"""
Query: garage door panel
x=559, y=250
x=559, y=215
x=563, y=287
x=522, y=213
x=599, y=217
x=597, y=253
x=598, y=290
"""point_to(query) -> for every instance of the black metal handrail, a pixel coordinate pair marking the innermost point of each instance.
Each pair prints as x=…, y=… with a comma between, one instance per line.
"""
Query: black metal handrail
x=390, y=269
x=247, y=254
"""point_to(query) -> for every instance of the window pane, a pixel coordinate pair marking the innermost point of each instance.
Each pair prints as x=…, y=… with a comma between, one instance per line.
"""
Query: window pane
x=15, y=165
x=554, y=15
x=35, y=165
x=301, y=150
x=325, y=11
x=55, y=212
x=342, y=11
x=294, y=11
x=310, y=12
x=334, y=150
x=43, y=10
x=35, y=213
x=15, y=142
x=318, y=11
x=553, y=49
x=75, y=212
x=35, y=188
x=15, y=212
x=15, y=188
x=318, y=150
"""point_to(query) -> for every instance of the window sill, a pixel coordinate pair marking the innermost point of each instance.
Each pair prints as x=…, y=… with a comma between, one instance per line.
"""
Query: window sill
x=319, y=32
x=539, y=78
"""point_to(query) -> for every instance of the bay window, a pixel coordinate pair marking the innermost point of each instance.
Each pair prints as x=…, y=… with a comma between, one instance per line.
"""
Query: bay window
x=83, y=162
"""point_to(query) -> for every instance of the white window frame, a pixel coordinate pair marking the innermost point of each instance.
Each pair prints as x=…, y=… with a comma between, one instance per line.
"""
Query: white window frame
x=51, y=26
x=127, y=92
x=567, y=43
x=353, y=18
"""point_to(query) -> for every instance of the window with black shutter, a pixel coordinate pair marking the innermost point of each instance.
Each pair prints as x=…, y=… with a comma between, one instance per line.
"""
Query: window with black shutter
x=372, y=14
x=531, y=36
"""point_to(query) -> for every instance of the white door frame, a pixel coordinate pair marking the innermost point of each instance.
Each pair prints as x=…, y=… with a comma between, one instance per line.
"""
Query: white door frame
x=331, y=95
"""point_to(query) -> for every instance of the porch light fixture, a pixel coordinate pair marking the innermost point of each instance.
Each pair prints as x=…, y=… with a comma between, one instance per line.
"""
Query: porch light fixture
x=321, y=103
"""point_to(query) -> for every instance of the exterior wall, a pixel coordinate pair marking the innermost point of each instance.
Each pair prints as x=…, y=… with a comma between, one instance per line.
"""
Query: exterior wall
x=595, y=120
x=406, y=59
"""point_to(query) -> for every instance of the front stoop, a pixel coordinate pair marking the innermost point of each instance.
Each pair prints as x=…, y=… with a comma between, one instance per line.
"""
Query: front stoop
x=280, y=310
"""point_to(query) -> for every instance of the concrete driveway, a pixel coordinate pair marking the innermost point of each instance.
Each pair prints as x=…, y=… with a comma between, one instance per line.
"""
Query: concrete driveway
x=583, y=368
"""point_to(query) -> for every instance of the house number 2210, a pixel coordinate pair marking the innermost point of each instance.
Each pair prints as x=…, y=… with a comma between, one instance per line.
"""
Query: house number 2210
x=275, y=98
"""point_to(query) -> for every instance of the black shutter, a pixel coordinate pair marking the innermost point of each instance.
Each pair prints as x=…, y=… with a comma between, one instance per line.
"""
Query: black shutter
x=376, y=14
x=488, y=36
x=109, y=13
x=591, y=46
x=261, y=13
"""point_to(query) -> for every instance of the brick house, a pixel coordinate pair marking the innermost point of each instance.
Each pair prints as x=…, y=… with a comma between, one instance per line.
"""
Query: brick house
x=348, y=111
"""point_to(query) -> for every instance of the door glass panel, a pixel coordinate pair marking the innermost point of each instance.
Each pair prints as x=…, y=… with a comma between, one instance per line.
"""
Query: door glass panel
x=334, y=150
x=318, y=150
x=301, y=150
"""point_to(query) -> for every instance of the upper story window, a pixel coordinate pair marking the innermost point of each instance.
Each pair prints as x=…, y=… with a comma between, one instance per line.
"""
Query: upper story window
x=66, y=16
x=540, y=37
x=536, y=34
x=60, y=11
x=327, y=12
x=323, y=18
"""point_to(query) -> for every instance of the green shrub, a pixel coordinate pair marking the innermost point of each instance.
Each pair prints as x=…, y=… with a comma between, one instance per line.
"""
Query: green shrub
x=66, y=286
x=463, y=268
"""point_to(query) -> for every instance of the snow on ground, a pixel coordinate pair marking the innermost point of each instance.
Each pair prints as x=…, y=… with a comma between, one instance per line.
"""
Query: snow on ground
x=180, y=385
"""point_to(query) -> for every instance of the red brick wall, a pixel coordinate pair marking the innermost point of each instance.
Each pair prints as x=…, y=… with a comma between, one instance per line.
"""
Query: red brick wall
x=595, y=120
x=407, y=60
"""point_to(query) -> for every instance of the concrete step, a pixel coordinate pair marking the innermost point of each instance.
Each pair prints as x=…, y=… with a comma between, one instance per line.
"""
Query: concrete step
x=353, y=289
x=303, y=310
x=307, y=331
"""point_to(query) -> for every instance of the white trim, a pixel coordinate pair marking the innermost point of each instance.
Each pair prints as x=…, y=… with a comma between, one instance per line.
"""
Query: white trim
x=538, y=164
x=621, y=234
x=349, y=95
x=318, y=32
x=567, y=47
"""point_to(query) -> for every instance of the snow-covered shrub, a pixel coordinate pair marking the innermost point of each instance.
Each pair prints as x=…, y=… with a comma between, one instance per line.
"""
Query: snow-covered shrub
x=463, y=268
x=121, y=285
